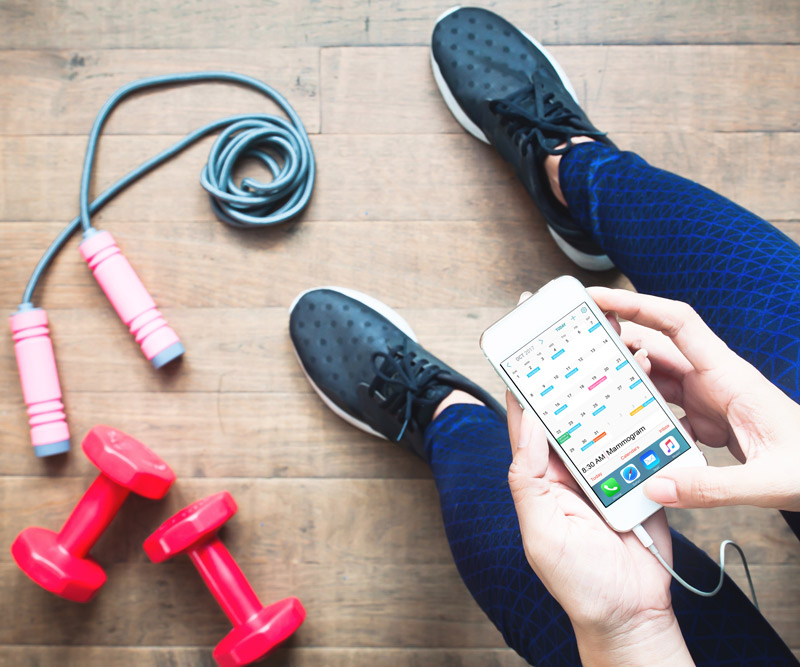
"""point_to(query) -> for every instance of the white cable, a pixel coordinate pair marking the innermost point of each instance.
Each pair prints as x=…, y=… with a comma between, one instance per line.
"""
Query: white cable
x=647, y=542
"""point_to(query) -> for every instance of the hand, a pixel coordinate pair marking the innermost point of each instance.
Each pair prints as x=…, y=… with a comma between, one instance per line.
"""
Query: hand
x=615, y=593
x=728, y=403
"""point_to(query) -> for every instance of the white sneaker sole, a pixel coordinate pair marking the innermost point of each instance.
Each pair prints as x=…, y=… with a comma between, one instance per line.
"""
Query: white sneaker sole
x=376, y=305
x=582, y=259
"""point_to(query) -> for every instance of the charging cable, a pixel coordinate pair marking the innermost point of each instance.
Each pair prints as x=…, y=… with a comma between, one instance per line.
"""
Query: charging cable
x=647, y=542
x=279, y=144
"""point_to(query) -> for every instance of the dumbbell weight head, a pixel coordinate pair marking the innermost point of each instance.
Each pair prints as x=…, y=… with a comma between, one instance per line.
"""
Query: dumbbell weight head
x=59, y=562
x=271, y=626
x=40, y=555
x=190, y=526
x=128, y=462
x=257, y=629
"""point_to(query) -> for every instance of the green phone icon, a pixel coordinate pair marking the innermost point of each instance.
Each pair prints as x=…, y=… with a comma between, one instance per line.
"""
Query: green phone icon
x=610, y=487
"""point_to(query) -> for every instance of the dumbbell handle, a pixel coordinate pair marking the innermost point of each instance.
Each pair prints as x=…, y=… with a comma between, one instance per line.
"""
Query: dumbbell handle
x=91, y=516
x=225, y=580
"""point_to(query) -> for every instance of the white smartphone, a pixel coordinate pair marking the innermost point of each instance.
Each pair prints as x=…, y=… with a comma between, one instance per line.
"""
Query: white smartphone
x=562, y=360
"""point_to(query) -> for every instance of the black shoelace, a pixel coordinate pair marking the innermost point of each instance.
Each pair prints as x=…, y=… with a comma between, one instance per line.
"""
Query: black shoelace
x=403, y=379
x=533, y=114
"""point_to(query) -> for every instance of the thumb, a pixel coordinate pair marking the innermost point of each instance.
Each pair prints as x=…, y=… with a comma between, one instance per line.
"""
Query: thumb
x=708, y=487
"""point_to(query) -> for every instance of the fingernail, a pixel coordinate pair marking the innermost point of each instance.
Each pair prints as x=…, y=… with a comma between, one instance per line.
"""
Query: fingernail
x=662, y=490
x=613, y=314
x=643, y=352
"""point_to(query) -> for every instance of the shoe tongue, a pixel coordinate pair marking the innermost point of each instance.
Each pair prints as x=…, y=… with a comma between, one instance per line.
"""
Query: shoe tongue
x=434, y=392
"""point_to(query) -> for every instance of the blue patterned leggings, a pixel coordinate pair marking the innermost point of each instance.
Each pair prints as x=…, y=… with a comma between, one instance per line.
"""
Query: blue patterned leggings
x=672, y=238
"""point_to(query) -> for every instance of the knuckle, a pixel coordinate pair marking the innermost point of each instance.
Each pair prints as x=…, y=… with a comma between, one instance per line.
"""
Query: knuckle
x=515, y=477
x=680, y=314
x=705, y=492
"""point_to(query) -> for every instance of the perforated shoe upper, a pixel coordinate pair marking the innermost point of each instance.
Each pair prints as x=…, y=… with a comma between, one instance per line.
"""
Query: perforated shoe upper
x=369, y=370
x=507, y=91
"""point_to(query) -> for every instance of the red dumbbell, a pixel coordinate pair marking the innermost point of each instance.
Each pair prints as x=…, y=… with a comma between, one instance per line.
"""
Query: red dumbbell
x=59, y=562
x=256, y=629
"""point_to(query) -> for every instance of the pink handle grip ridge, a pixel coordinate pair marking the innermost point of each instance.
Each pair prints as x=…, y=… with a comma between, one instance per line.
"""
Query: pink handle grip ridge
x=39, y=377
x=130, y=299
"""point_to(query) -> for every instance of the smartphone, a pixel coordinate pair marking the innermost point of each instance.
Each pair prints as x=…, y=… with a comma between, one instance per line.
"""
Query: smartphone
x=563, y=361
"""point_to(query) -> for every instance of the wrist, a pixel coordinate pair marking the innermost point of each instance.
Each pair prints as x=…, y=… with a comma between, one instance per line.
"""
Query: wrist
x=652, y=638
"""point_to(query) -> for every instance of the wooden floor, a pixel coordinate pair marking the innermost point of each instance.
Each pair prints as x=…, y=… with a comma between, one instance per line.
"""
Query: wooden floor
x=407, y=207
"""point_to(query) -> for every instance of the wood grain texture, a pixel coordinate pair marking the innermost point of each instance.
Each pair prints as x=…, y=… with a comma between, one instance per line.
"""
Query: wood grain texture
x=345, y=547
x=253, y=24
x=408, y=208
x=381, y=178
x=693, y=90
x=101, y=656
x=270, y=267
x=67, y=88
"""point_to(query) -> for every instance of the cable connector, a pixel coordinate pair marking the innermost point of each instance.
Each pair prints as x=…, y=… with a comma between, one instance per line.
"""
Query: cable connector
x=39, y=377
x=130, y=298
x=647, y=542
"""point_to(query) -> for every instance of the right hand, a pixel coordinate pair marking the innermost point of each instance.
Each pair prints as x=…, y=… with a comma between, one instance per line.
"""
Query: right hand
x=728, y=403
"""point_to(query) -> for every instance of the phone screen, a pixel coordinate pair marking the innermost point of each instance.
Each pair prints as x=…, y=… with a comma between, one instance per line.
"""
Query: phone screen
x=595, y=405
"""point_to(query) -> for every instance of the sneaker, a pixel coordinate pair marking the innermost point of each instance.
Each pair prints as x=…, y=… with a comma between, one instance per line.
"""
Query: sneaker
x=505, y=89
x=365, y=363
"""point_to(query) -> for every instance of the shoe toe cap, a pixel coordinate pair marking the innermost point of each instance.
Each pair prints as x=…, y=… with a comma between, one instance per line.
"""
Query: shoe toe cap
x=481, y=57
x=335, y=336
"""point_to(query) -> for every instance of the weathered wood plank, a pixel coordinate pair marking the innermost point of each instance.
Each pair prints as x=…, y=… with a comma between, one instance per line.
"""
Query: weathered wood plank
x=229, y=350
x=251, y=24
x=348, y=605
x=622, y=88
x=212, y=435
x=700, y=88
x=346, y=543
x=101, y=656
x=60, y=92
x=763, y=533
x=289, y=522
x=383, y=178
x=206, y=264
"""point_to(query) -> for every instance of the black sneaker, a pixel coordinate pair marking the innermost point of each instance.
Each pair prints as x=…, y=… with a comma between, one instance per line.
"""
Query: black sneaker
x=364, y=361
x=507, y=90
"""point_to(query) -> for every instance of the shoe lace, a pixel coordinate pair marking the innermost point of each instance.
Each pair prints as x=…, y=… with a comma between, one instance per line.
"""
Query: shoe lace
x=403, y=379
x=535, y=114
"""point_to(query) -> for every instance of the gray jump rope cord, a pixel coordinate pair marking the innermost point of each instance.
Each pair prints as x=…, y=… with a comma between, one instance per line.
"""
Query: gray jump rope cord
x=254, y=205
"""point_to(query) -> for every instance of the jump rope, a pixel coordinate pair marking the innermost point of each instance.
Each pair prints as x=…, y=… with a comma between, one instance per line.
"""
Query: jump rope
x=280, y=145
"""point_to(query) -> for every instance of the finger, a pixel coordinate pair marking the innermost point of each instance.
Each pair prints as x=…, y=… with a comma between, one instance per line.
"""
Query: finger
x=642, y=358
x=613, y=320
x=670, y=388
x=716, y=487
x=514, y=419
x=662, y=351
x=675, y=319
x=688, y=427
x=524, y=297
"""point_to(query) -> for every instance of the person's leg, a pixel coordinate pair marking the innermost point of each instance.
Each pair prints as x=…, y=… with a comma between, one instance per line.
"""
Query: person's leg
x=469, y=453
x=674, y=238
x=670, y=236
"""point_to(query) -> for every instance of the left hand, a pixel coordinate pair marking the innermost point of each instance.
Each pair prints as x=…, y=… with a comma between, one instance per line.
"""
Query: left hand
x=603, y=579
x=613, y=589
